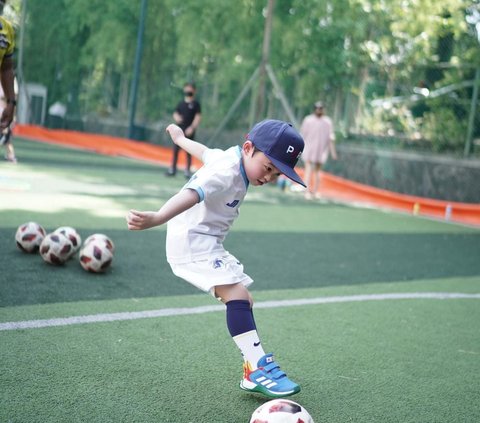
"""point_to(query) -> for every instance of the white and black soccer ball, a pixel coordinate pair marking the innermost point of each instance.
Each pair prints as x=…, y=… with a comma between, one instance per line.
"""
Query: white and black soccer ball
x=72, y=235
x=56, y=248
x=29, y=236
x=95, y=256
x=281, y=411
x=101, y=238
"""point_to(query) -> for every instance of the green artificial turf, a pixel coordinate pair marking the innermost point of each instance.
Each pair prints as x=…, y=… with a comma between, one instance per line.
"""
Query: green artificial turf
x=418, y=362
x=413, y=360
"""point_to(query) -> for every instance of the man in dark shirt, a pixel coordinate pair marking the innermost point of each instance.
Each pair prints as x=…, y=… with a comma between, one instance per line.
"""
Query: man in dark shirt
x=188, y=116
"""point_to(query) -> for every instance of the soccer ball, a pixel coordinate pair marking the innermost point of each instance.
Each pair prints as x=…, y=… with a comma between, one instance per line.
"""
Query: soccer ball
x=29, y=236
x=72, y=235
x=101, y=238
x=281, y=411
x=56, y=248
x=95, y=256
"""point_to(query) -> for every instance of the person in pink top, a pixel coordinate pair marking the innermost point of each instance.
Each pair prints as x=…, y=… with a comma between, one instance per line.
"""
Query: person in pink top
x=317, y=131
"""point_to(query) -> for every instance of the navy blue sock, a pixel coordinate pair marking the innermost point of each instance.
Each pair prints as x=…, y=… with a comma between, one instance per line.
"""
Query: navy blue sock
x=239, y=317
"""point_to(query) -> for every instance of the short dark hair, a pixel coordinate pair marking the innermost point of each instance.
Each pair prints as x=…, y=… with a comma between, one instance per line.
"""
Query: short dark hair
x=187, y=84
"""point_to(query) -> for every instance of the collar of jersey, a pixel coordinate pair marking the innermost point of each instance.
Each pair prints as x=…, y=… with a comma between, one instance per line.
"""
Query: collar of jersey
x=242, y=169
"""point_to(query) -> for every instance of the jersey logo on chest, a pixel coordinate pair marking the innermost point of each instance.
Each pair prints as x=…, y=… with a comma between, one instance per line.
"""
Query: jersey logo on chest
x=233, y=204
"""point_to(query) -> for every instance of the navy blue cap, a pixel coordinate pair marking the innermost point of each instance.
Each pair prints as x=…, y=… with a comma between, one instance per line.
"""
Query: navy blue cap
x=281, y=143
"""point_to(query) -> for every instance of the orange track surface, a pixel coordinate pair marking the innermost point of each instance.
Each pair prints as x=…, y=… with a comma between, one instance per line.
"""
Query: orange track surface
x=332, y=187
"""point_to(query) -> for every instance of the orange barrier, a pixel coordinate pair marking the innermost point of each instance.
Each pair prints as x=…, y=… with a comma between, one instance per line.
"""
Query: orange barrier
x=341, y=189
x=333, y=187
x=102, y=144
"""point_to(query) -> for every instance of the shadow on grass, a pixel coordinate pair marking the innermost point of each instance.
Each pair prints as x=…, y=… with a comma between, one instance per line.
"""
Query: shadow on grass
x=135, y=171
x=38, y=153
x=274, y=260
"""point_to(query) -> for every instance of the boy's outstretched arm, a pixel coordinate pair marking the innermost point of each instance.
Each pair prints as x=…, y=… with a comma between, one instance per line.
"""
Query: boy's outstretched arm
x=137, y=220
x=192, y=147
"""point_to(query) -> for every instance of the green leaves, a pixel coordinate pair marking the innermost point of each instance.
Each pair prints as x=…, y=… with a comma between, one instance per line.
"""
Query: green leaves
x=83, y=50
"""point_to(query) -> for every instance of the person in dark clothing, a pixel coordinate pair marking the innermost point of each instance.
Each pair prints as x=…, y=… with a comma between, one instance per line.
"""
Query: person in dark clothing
x=187, y=115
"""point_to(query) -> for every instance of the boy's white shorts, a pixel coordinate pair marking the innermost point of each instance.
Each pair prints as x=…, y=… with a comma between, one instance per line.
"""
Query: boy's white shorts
x=223, y=269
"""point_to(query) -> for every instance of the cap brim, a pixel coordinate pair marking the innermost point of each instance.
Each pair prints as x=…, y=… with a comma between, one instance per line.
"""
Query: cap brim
x=287, y=171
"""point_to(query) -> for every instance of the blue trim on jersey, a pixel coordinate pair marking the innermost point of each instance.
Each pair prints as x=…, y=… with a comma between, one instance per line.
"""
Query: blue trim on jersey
x=201, y=194
x=242, y=169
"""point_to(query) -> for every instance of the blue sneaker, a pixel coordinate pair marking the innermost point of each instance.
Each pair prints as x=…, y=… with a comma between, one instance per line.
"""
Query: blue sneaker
x=267, y=379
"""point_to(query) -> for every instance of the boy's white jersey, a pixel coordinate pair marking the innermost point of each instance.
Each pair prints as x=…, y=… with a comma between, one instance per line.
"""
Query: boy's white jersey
x=221, y=184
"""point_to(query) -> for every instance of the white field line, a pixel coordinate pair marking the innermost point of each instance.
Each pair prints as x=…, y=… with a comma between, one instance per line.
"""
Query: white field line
x=165, y=312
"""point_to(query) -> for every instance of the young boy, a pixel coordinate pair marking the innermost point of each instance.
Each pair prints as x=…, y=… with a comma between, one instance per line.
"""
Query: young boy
x=199, y=218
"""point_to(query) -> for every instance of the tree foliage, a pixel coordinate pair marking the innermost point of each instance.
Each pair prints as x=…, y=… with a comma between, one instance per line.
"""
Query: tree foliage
x=346, y=52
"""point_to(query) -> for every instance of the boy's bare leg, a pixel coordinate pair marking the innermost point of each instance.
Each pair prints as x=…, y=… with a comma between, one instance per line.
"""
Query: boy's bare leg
x=233, y=292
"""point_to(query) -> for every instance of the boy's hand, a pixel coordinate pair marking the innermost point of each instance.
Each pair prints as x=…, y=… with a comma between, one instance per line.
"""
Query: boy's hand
x=175, y=132
x=137, y=220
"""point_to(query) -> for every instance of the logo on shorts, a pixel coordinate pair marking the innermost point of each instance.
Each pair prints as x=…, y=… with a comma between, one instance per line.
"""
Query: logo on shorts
x=217, y=263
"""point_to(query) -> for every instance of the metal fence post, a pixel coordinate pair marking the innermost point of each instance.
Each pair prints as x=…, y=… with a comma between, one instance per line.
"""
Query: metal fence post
x=471, y=118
